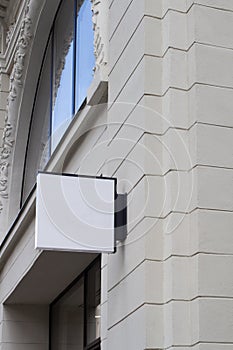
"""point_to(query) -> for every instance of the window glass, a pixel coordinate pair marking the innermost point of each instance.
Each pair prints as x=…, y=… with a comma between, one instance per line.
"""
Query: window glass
x=68, y=320
x=38, y=148
x=85, y=60
x=65, y=77
x=75, y=317
x=93, y=305
x=63, y=53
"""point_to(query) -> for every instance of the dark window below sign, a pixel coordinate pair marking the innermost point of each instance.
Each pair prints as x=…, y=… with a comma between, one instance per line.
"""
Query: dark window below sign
x=75, y=315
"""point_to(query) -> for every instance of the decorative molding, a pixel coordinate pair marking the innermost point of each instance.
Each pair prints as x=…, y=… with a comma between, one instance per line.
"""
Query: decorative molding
x=44, y=151
x=16, y=83
x=4, y=162
x=18, y=68
x=61, y=64
x=3, y=180
x=99, y=20
x=10, y=33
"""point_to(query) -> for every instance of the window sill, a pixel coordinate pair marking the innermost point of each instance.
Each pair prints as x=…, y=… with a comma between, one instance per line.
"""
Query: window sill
x=98, y=90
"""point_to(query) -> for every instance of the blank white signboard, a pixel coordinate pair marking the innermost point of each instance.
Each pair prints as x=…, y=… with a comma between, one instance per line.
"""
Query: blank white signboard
x=75, y=213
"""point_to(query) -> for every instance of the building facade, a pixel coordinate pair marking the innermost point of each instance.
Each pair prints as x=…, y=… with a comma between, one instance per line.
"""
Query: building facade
x=152, y=107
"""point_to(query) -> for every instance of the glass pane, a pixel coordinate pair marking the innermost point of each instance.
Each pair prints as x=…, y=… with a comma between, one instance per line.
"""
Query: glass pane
x=63, y=71
x=85, y=60
x=68, y=320
x=39, y=144
x=93, y=314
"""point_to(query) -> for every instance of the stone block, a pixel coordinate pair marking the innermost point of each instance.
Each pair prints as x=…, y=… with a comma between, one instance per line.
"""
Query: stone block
x=153, y=75
x=215, y=320
x=181, y=234
x=145, y=158
x=215, y=231
x=125, y=54
x=145, y=241
x=179, y=108
x=123, y=11
x=147, y=279
x=214, y=145
x=215, y=189
x=219, y=111
x=177, y=5
x=137, y=331
x=220, y=4
x=23, y=332
x=214, y=65
x=120, y=146
x=178, y=150
x=214, y=27
x=178, y=30
x=180, y=278
x=183, y=317
x=215, y=275
x=154, y=8
x=148, y=115
x=127, y=93
x=180, y=193
x=146, y=199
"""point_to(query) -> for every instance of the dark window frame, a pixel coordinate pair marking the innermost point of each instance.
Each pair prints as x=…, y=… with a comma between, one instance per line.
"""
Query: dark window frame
x=96, y=344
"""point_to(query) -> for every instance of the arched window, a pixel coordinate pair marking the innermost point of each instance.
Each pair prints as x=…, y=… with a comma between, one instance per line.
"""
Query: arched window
x=65, y=76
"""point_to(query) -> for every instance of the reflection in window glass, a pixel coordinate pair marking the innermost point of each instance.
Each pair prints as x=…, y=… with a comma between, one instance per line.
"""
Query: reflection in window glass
x=85, y=60
x=38, y=151
x=67, y=320
x=63, y=46
x=65, y=77
x=75, y=316
x=93, y=305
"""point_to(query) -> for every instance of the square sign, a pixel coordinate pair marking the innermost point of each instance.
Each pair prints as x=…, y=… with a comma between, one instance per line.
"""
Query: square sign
x=75, y=213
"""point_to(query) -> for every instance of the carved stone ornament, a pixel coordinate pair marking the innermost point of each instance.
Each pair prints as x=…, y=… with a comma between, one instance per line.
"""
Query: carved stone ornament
x=61, y=64
x=99, y=20
x=15, y=84
x=10, y=33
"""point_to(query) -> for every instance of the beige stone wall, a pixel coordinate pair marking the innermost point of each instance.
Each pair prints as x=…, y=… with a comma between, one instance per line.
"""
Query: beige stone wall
x=214, y=172
x=166, y=134
x=170, y=147
x=25, y=327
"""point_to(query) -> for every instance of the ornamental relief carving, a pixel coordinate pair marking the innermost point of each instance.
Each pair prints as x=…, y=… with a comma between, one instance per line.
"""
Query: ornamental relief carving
x=10, y=33
x=3, y=180
x=15, y=85
x=99, y=19
x=23, y=42
x=61, y=65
